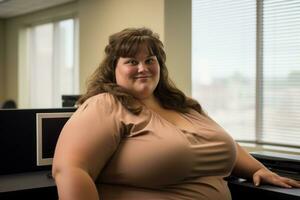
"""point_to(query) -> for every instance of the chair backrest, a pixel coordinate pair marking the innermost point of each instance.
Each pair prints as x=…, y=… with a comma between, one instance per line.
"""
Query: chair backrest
x=9, y=104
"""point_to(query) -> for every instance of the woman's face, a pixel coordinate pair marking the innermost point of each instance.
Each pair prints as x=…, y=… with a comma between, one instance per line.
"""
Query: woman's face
x=139, y=75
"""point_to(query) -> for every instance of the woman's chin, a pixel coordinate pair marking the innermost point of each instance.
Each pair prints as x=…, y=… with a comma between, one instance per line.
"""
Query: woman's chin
x=141, y=95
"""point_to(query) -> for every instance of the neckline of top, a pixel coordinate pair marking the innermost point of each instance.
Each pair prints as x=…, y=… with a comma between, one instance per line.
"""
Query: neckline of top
x=170, y=123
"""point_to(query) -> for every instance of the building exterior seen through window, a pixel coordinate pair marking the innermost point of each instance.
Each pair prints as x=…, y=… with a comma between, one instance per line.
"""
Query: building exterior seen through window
x=246, y=67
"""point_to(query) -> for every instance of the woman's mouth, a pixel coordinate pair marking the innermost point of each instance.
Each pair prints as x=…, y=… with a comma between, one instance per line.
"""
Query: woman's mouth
x=142, y=77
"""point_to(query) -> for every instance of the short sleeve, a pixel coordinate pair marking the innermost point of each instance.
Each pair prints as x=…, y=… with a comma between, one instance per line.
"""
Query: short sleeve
x=96, y=118
x=102, y=110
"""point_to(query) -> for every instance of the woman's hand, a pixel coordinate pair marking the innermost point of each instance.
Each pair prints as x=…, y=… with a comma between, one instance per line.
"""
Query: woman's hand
x=264, y=175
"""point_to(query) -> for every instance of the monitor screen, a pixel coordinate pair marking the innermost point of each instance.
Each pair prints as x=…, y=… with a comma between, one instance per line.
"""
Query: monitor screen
x=48, y=126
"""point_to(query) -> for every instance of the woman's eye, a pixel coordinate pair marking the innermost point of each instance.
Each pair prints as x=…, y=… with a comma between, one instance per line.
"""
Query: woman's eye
x=132, y=62
x=149, y=61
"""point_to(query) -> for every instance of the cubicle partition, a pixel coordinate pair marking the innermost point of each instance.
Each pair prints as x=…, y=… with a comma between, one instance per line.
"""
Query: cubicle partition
x=21, y=132
x=27, y=143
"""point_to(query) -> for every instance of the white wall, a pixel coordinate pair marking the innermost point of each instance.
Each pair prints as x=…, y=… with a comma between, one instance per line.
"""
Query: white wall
x=2, y=46
x=12, y=29
x=178, y=42
x=99, y=19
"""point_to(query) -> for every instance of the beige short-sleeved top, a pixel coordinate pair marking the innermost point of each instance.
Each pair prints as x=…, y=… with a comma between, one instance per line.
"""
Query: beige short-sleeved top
x=146, y=157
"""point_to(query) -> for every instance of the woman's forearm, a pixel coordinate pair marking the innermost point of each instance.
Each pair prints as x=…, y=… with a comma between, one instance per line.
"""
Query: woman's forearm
x=245, y=165
x=75, y=184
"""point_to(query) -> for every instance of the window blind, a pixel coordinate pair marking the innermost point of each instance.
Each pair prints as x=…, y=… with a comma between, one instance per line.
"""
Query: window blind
x=281, y=72
x=52, y=62
x=223, y=63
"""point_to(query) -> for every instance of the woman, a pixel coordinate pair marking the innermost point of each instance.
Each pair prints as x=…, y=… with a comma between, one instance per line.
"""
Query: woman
x=136, y=136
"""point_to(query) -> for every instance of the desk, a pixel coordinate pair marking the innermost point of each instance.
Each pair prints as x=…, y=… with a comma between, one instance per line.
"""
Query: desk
x=32, y=185
x=38, y=185
x=245, y=190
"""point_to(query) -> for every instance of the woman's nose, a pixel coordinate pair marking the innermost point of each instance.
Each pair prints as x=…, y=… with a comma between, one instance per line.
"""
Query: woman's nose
x=142, y=67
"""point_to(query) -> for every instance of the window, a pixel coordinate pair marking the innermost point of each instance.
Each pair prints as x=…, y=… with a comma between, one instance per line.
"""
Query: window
x=246, y=67
x=281, y=72
x=51, y=63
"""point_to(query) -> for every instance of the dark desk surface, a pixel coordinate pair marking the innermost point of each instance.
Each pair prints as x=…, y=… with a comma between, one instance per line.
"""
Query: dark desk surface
x=39, y=183
x=32, y=185
x=242, y=189
x=25, y=181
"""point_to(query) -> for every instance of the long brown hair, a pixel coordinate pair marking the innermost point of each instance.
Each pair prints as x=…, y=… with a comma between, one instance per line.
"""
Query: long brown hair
x=126, y=43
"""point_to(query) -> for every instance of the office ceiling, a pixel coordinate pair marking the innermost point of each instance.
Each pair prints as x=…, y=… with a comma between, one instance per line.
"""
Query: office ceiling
x=12, y=8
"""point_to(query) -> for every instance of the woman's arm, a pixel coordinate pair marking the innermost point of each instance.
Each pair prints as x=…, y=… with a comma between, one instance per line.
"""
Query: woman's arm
x=77, y=161
x=75, y=183
x=85, y=144
x=248, y=167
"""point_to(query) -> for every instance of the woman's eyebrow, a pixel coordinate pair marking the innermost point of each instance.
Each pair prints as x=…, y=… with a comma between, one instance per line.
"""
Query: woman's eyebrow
x=128, y=58
x=150, y=56
x=134, y=57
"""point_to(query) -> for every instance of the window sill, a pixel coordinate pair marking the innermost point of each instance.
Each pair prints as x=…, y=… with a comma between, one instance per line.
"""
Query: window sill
x=250, y=147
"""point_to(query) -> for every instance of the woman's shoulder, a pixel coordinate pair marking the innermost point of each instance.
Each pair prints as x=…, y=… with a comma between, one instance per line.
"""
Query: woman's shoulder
x=102, y=98
x=103, y=101
x=195, y=114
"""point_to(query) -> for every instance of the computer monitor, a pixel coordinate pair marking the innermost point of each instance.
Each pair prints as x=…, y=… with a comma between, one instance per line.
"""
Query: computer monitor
x=69, y=100
x=48, y=128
